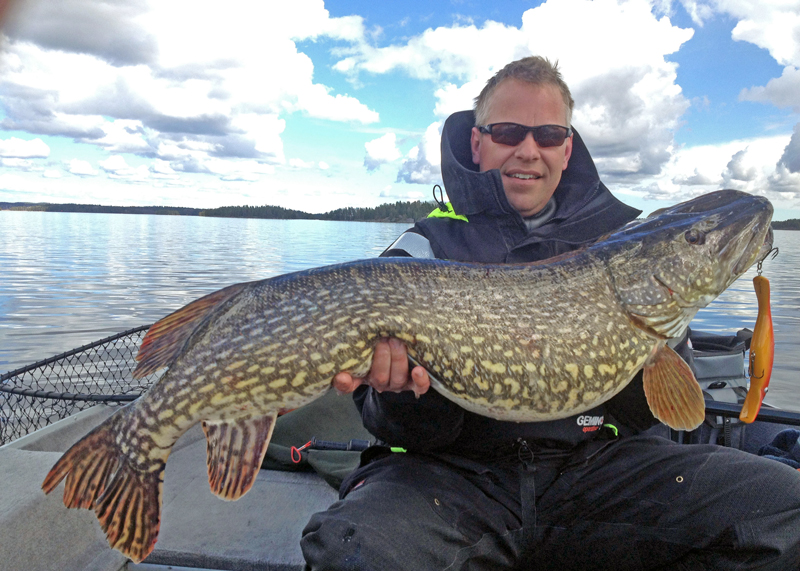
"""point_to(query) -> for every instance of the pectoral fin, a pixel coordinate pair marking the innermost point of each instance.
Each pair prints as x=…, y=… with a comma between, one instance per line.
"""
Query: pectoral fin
x=235, y=452
x=672, y=392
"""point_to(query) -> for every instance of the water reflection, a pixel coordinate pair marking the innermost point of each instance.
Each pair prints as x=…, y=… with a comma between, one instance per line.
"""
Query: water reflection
x=737, y=307
x=69, y=279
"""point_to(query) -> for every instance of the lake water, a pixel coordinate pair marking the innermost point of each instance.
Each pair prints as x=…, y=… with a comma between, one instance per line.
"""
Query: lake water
x=70, y=279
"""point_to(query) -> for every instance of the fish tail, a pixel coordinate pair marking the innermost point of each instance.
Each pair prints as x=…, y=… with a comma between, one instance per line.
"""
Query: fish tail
x=125, y=498
x=129, y=511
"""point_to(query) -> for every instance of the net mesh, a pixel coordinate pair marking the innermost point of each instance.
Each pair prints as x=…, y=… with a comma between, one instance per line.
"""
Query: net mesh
x=42, y=393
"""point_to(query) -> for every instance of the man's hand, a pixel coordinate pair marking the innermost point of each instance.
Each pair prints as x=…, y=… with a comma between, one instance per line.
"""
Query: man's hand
x=389, y=372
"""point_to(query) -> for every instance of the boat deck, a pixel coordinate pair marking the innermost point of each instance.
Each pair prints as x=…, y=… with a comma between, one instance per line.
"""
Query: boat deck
x=198, y=530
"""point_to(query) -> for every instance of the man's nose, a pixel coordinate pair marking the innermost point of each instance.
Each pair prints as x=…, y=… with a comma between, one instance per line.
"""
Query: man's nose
x=528, y=148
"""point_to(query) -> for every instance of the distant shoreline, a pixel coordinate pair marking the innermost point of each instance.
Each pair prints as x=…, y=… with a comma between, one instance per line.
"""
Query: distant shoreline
x=791, y=224
x=407, y=212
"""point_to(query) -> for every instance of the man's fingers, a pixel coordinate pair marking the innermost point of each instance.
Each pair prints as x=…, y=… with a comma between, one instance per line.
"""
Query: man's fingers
x=399, y=365
x=379, y=374
x=389, y=371
x=345, y=383
x=420, y=381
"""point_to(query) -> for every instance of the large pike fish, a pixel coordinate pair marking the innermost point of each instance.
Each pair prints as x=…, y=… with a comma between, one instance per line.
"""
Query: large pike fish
x=528, y=342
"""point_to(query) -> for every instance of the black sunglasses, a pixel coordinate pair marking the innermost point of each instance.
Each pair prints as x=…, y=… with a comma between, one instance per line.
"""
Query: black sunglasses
x=513, y=134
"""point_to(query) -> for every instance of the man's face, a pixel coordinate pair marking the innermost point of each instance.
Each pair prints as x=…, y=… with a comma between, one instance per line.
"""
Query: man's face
x=530, y=173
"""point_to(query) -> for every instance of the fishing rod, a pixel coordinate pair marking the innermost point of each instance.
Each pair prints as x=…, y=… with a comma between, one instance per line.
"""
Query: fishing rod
x=766, y=414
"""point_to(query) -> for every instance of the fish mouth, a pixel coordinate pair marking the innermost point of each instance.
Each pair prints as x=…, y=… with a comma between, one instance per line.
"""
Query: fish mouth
x=767, y=246
x=757, y=247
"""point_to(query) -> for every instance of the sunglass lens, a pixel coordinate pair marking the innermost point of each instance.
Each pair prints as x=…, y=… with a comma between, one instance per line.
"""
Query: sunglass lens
x=508, y=133
x=550, y=136
x=513, y=134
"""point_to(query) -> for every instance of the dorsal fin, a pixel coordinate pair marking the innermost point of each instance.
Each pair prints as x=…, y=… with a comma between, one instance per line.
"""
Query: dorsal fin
x=166, y=338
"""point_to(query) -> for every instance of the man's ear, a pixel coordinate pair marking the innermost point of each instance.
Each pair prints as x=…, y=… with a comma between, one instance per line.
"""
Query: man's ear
x=475, y=144
x=567, y=153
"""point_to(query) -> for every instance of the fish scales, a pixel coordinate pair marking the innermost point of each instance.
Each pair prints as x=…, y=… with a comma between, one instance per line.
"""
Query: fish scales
x=479, y=341
x=532, y=342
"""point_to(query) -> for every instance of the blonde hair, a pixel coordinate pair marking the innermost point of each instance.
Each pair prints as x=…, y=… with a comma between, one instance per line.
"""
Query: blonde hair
x=535, y=70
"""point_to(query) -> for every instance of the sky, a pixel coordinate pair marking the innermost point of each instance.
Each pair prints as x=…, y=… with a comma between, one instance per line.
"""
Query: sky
x=316, y=105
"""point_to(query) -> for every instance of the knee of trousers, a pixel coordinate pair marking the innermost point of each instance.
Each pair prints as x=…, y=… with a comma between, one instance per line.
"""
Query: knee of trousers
x=364, y=533
x=396, y=525
x=330, y=543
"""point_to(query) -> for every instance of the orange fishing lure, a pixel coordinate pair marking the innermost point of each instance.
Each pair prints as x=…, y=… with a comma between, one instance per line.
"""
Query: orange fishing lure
x=762, y=353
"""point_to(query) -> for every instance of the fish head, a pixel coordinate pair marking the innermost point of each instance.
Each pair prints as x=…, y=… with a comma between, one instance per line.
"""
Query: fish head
x=679, y=259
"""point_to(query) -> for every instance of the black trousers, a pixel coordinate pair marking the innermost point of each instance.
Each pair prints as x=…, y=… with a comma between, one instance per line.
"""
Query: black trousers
x=636, y=503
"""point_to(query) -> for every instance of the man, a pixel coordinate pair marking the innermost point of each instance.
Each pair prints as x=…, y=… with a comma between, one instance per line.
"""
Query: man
x=476, y=493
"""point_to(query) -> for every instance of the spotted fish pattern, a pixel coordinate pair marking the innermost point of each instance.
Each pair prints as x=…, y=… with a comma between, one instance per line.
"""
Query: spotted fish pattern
x=528, y=342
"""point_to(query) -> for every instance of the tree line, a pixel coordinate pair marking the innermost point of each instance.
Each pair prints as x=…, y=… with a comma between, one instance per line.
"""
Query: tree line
x=791, y=224
x=397, y=212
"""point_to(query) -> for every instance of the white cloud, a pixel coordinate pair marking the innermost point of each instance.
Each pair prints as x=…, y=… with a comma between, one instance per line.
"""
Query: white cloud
x=451, y=98
x=81, y=168
x=770, y=24
x=381, y=151
x=124, y=136
x=458, y=52
x=753, y=165
x=740, y=168
x=773, y=25
x=24, y=149
x=791, y=154
x=114, y=163
x=161, y=169
x=23, y=164
x=422, y=164
x=770, y=165
x=317, y=102
x=300, y=164
x=206, y=98
x=783, y=91
x=402, y=194
x=700, y=12
x=628, y=100
x=116, y=167
x=125, y=77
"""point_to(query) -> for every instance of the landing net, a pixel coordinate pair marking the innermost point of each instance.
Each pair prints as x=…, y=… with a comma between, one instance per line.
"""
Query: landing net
x=47, y=391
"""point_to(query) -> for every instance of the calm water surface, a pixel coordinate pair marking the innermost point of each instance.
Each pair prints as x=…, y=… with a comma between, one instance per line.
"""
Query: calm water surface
x=69, y=279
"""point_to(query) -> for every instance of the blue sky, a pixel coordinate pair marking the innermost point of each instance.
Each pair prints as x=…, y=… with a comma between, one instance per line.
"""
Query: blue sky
x=316, y=105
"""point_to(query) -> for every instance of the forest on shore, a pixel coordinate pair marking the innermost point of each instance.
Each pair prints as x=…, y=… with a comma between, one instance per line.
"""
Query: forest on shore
x=791, y=224
x=397, y=212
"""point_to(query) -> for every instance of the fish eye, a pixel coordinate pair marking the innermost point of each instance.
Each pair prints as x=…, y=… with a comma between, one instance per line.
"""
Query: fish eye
x=695, y=237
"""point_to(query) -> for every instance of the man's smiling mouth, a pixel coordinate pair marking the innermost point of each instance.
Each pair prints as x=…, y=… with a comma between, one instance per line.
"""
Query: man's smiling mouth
x=523, y=176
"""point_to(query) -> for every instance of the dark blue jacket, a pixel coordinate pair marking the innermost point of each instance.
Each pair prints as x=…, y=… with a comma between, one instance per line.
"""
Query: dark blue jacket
x=495, y=232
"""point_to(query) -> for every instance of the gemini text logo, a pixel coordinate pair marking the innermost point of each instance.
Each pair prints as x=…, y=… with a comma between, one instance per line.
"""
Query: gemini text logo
x=590, y=423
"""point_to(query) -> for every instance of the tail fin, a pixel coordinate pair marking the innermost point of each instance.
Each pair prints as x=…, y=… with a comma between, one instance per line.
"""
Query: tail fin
x=125, y=498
